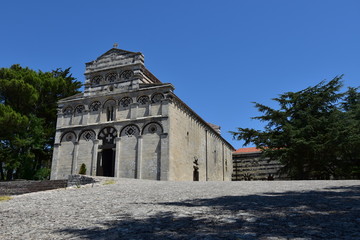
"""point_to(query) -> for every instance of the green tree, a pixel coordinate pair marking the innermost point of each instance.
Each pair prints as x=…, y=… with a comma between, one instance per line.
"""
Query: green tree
x=28, y=107
x=314, y=133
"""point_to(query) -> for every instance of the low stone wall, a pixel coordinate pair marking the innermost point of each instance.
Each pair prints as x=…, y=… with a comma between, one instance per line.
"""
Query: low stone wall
x=251, y=166
x=28, y=186
x=24, y=186
x=76, y=180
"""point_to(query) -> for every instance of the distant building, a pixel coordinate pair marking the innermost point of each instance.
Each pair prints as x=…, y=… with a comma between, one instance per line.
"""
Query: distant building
x=249, y=165
x=129, y=124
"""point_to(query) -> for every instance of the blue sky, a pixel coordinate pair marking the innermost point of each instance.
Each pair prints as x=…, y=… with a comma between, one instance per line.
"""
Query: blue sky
x=219, y=55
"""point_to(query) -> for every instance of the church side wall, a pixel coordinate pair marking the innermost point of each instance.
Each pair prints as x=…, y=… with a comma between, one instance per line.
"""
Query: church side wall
x=192, y=145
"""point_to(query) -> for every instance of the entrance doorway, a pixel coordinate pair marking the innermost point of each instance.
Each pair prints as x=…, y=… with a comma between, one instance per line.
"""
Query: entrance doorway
x=196, y=174
x=108, y=162
x=106, y=158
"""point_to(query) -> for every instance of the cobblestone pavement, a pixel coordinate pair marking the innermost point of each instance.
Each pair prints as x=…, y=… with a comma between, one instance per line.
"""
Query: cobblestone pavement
x=141, y=209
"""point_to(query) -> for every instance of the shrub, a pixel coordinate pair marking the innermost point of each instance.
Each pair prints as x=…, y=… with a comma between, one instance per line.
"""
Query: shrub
x=42, y=174
x=82, y=170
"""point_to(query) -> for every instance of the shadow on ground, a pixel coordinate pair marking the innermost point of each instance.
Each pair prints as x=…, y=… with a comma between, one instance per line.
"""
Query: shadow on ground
x=330, y=214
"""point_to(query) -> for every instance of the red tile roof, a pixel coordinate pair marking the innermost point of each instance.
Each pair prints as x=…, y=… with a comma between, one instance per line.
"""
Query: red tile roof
x=247, y=150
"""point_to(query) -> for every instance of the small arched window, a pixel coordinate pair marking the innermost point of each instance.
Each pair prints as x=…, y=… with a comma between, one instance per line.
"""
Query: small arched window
x=157, y=98
x=79, y=109
x=111, y=77
x=95, y=106
x=143, y=100
x=125, y=102
x=110, y=110
x=68, y=111
x=97, y=79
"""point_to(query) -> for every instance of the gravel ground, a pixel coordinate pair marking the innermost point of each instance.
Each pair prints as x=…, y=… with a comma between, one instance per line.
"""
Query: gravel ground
x=141, y=209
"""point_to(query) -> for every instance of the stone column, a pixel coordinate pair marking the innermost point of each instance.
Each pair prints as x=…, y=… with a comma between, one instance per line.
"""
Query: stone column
x=94, y=157
x=164, y=157
x=139, y=157
x=117, y=157
x=55, y=159
x=74, y=160
x=116, y=110
x=86, y=115
x=102, y=116
x=150, y=109
x=133, y=110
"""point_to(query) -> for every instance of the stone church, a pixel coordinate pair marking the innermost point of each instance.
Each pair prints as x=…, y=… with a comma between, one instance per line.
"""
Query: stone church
x=129, y=124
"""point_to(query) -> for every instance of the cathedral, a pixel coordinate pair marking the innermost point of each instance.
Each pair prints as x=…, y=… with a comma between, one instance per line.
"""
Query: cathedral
x=128, y=124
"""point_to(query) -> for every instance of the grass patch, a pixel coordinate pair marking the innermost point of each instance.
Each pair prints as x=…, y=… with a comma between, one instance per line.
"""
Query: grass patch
x=5, y=198
x=108, y=182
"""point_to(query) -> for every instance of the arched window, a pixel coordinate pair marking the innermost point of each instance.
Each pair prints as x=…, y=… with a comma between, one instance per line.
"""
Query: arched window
x=109, y=106
x=68, y=110
x=127, y=74
x=97, y=79
x=95, y=106
x=79, y=109
x=125, y=102
x=157, y=98
x=111, y=77
x=143, y=100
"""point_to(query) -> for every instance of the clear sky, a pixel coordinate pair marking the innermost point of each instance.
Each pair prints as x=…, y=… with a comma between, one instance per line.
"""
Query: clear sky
x=220, y=55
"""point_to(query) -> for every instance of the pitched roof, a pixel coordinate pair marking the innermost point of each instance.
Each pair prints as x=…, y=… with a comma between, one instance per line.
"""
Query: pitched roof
x=247, y=150
x=117, y=51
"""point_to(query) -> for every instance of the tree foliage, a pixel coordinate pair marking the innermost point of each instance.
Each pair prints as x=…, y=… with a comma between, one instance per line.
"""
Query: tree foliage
x=28, y=107
x=315, y=133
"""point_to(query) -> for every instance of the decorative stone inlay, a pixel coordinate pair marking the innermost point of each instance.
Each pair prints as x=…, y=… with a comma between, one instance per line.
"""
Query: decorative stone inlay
x=108, y=135
x=97, y=79
x=130, y=131
x=143, y=100
x=127, y=74
x=111, y=77
x=88, y=135
x=157, y=98
x=68, y=137
x=95, y=106
x=79, y=108
x=152, y=128
x=125, y=102
x=68, y=110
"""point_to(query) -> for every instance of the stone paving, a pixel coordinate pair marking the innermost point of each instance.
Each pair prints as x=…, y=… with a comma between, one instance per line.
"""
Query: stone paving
x=141, y=209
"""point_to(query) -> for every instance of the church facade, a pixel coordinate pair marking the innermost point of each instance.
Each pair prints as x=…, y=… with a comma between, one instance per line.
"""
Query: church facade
x=128, y=124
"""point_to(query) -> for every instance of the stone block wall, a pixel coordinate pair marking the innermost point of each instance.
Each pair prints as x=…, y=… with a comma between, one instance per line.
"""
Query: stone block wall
x=194, y=144
x=251, y=166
